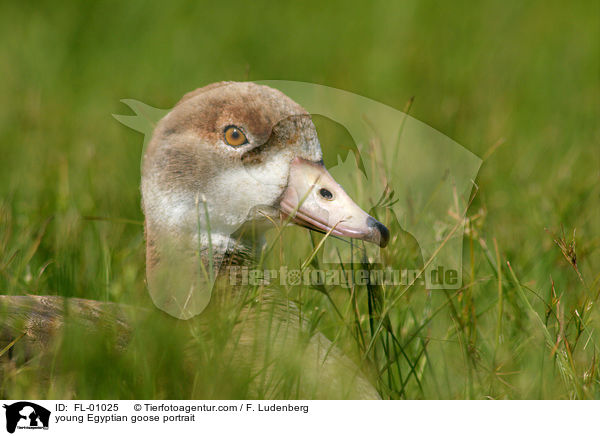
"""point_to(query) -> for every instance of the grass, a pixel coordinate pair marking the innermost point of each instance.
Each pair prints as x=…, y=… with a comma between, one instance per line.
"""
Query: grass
x=516, y=83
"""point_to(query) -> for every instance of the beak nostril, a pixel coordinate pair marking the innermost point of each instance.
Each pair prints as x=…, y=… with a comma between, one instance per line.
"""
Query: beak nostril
x=383, y=231
x=326, y=194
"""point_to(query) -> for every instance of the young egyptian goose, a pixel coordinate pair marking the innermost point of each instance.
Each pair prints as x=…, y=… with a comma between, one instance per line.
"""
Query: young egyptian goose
x=231, y=156
x=227, y=157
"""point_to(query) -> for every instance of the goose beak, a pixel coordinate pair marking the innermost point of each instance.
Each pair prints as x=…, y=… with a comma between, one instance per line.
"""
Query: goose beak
x=313, y=199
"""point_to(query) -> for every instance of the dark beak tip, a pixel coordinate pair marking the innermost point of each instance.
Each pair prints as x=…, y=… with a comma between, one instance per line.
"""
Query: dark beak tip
x=384, y=233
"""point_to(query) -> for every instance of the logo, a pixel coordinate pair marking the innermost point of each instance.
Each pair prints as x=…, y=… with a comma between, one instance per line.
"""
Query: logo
x=398, y=168
x=26, y=415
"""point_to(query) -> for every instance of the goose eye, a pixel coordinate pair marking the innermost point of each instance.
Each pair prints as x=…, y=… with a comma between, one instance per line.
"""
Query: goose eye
x=326, y=194
x=234, y=136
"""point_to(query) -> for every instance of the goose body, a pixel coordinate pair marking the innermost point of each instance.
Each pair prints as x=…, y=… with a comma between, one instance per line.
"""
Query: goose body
x=228, y=156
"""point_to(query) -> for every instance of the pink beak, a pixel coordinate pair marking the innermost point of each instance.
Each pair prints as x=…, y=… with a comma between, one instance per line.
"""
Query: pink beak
x=313, y=199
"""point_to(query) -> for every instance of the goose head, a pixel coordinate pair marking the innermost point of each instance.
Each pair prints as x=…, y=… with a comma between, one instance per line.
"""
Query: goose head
x=234, y=153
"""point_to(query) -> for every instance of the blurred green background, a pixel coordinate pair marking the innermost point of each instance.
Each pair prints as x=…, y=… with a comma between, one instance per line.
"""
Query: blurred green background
x=517, y=83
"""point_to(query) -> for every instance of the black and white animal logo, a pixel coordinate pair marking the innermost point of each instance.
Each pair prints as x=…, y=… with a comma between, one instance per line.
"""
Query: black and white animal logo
x=26, y=415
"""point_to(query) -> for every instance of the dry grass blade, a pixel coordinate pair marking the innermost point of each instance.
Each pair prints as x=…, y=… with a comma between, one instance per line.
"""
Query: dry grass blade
x=9, y=346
